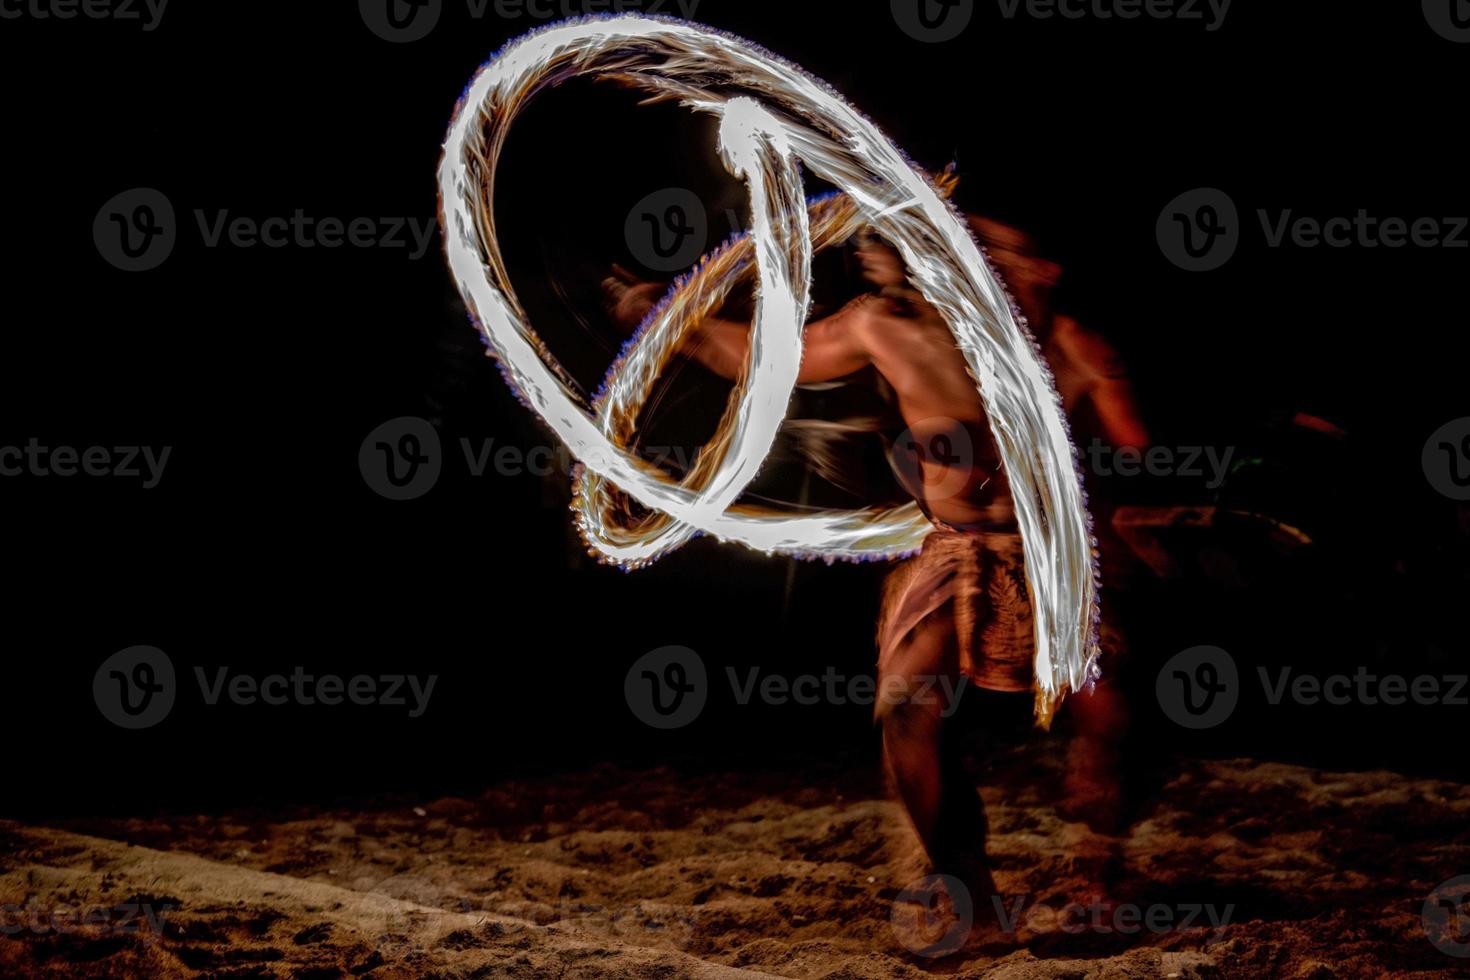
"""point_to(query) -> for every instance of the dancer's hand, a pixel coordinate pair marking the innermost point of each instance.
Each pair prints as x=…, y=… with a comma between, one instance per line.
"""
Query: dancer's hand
x=881, y=265
x=628, y=298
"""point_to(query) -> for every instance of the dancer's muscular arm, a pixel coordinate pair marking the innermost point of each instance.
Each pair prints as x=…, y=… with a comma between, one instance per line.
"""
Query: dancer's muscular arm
x=1108, y=385
x=831, y=347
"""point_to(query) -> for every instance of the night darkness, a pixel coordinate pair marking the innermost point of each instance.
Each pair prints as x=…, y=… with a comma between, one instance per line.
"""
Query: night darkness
x=262, y=548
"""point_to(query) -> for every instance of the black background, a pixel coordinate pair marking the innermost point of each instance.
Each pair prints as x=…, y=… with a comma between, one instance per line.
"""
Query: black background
x=264, y=369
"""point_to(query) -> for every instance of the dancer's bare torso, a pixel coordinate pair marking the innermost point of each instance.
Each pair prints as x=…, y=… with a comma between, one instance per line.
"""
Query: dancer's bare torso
x=958, y=478
x=910, y=345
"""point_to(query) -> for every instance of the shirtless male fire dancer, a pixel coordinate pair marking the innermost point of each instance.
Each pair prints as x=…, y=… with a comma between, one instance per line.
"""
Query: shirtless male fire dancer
x=959, y=608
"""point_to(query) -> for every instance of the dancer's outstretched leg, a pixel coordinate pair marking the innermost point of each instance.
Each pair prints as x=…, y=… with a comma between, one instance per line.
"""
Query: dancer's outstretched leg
x=924, y=764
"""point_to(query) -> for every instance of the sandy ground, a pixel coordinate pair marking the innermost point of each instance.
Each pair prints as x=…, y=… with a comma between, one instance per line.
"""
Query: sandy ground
x=617, y=873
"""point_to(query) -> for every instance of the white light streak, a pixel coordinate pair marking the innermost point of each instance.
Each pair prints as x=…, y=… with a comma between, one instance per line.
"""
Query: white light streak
x=772, y=114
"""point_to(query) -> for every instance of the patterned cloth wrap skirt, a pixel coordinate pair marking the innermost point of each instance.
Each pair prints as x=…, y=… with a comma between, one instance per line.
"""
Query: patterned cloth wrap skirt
x=972, y=584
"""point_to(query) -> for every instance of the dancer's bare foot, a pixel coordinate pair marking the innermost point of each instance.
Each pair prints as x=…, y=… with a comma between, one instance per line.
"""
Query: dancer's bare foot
x=939, y=916
x=1094, y=781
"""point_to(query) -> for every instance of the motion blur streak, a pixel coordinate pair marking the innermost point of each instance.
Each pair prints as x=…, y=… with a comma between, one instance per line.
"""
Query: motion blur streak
x=772, y=115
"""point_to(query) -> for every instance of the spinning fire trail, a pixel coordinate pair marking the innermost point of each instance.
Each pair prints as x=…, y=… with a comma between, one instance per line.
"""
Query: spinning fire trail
x=771, y=114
